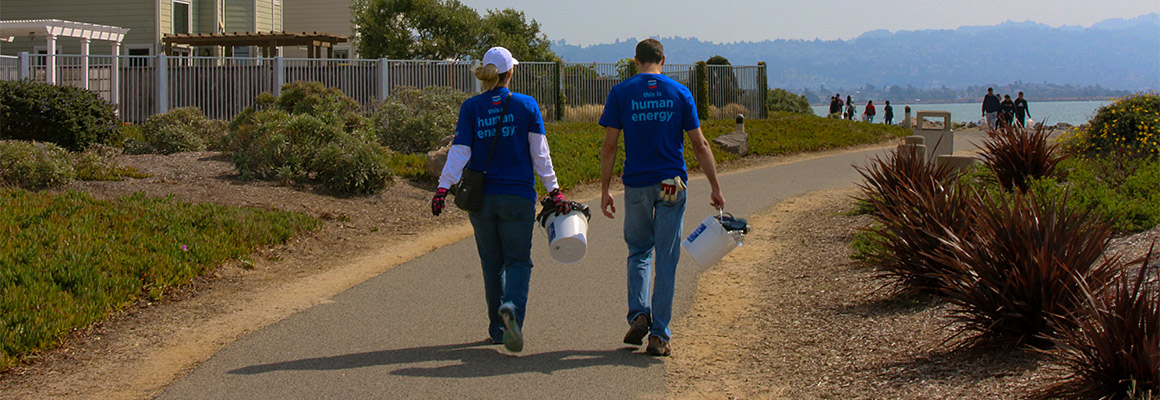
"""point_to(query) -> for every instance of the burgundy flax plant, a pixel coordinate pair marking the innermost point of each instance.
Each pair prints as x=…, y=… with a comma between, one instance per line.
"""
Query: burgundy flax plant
x=1017, y=155
x=1022, y=264
x=1113, y=347
x=913, y=200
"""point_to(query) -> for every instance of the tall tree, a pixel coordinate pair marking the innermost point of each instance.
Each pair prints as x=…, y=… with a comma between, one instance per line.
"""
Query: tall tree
x=416, y=29
x=511, y=29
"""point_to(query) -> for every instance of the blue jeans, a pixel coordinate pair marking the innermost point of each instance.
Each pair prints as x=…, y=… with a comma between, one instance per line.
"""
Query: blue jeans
x=652, y=224
x=503, y=236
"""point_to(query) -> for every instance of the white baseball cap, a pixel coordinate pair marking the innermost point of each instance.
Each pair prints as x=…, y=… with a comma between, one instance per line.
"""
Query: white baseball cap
x=501, y=57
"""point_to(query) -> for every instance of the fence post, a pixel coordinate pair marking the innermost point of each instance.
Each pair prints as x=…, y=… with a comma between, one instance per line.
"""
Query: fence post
x=763, y=83
x=162, y=84
x=560, y=90
x=384, y=80
x=701, y=79
x=25, y=72
x=279, y=75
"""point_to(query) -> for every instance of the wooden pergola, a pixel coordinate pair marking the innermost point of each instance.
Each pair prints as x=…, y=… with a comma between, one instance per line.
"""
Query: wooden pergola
x=315, y=42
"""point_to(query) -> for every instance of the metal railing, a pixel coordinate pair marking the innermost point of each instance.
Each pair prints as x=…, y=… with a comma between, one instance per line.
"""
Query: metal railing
x=224, y=87
x=735, y=89
x=9, y=68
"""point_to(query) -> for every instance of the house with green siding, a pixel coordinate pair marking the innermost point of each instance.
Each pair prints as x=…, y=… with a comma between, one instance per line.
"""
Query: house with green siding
x=147, y=21
x=325, y=16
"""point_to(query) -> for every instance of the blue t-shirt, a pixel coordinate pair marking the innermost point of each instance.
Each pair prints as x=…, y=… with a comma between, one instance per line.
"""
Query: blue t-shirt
x=654, y=112
x=510, y=171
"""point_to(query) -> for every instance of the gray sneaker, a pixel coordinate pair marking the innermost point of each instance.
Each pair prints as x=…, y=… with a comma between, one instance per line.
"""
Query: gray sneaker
x=513, y=339
x=637, y=330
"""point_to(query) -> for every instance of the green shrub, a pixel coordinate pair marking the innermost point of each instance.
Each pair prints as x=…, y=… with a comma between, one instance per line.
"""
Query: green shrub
x=67, y=260
x=179, y=130
x=784, y=100
x=70, y=117
x=1126, y=193
x=34, y=165
x=351, y=165
x=409, y=166
x=415, y=120
x=1128, y=126
x=325, y=103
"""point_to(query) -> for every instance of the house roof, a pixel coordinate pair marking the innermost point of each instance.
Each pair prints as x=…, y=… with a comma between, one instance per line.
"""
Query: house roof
x=277, y=39
x=61, y=28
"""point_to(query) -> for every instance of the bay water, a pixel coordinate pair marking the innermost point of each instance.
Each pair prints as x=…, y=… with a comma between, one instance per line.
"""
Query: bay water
x=1071, y=112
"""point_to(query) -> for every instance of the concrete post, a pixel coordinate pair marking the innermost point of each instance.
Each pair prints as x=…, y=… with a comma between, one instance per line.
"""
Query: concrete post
x=162, y=100
x=115, y=77
x=906, y=120
x=384, y=80
x=25, y=68
x=50, y=71
x=85, y=63
x=279, y=75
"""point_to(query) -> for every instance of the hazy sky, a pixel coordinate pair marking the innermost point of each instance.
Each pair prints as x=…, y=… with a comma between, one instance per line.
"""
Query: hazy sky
x=587, y=22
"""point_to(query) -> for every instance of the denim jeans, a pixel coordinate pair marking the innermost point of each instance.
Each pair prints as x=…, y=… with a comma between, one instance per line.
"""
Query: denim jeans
x=652, y=224
x=503, y=237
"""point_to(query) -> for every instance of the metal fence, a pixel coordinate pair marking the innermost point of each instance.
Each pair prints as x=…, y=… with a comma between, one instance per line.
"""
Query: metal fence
x=735, y=90
x=224, y=87
x=9, y=68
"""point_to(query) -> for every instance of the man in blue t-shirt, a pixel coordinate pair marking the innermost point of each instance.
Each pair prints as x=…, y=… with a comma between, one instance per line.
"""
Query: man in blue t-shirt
x=655, y=112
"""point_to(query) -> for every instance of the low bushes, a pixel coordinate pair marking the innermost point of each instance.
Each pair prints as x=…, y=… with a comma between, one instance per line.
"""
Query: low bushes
x=1017, y=155
x=309, y=137
x=1127, y=127
x=415, y=120
x=34, y=165
x=68, y=259
x=1114, y=348
x=179, y=130
x=70, y=117
x=1031, y=269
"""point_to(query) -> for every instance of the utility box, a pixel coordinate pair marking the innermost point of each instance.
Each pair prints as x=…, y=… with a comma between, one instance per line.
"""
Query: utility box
x=939, y=141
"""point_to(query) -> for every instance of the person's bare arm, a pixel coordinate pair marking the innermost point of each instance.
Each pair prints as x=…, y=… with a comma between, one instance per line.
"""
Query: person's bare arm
x=607, y=163
x=705, y=157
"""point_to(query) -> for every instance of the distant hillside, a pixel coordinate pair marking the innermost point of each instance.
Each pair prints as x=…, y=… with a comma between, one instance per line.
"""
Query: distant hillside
x=1115, y=54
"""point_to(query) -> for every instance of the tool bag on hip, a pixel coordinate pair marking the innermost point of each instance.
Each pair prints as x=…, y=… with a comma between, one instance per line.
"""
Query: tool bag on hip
x=469, y=193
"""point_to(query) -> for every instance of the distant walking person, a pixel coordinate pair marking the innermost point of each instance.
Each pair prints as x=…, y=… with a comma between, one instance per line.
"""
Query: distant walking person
x=1021, y=110
x=655, y=113
x=850, y=109
x=502, y=134
x=1007, y=110
x=991, y=107
x=868, y=114
x=888, y=113
x=835, y=104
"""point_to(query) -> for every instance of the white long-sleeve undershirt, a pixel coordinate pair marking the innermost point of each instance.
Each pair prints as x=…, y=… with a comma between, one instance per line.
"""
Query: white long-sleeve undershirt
x=459, y=155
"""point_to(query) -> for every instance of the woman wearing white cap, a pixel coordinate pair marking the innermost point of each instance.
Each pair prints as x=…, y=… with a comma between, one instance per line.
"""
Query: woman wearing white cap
x=503, y=227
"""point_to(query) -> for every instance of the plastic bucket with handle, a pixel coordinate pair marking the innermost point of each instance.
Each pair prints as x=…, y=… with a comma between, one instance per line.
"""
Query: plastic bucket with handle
x=567, y=236
x=711, y=241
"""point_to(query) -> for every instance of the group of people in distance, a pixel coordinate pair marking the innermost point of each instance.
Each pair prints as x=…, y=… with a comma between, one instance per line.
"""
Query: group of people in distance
x=1004, y=112
x=847, y=110
x=654, y=178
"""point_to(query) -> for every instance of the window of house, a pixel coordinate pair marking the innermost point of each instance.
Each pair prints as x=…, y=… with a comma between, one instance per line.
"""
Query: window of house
x=343, y=53
x=139, y=61
x=182, y=18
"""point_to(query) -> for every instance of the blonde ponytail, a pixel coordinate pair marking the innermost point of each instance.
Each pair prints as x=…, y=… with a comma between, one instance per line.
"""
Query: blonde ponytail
x=489, y=77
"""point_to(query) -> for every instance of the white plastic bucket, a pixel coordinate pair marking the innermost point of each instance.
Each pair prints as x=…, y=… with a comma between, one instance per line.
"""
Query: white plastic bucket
x=710, y=242
x=567, y=237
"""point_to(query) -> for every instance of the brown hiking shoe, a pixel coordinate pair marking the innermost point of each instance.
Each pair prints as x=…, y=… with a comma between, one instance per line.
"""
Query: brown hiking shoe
x=637, y=330
x=658, y=346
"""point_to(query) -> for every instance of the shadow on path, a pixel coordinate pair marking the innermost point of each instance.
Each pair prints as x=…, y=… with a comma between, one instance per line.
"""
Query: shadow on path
x=477, y=359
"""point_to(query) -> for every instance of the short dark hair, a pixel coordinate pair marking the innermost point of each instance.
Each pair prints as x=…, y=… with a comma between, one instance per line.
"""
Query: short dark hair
x=650, y=51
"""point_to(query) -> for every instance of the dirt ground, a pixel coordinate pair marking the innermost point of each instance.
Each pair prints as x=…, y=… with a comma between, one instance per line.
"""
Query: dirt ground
x=789, y=315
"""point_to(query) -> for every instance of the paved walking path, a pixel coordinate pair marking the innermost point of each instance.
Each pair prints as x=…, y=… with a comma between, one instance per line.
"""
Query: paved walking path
x=417, y=330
